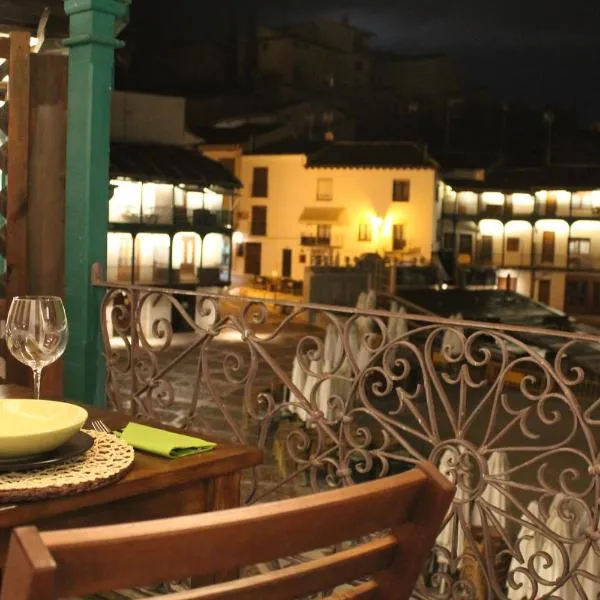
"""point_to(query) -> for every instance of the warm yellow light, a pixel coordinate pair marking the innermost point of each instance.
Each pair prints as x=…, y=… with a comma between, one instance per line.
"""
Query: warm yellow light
x=493, y=198
x=212, y=250
x=522, y=200
x=467, y=197
x=212, y=200
x=237, y=237
x=490, y=227
x=517, y=227
x=580, y=227
x=376, y=223
x=557, y=225
x=187, y=248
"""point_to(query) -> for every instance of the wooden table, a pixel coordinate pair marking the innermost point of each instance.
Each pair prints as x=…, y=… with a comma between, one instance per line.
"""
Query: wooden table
x=156, y=487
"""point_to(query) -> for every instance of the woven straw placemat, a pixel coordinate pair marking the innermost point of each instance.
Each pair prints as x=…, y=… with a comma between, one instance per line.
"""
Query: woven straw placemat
x=106, y=461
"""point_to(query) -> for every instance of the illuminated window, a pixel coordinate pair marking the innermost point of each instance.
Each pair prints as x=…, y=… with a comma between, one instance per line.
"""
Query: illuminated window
x=579, y=247
x=365, y=232
x=324, y=232
x=398, y=236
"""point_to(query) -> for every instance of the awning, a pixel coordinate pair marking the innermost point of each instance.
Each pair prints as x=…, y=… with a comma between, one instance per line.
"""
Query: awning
x=322, y=214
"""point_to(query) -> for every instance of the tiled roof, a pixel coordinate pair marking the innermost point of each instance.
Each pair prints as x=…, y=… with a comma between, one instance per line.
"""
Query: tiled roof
x=167, y=164
x=528, y=180
x=375, y=155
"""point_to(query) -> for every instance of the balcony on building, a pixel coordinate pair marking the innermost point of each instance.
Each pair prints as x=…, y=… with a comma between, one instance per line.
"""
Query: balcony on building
x=170, y=217
x=319, y=223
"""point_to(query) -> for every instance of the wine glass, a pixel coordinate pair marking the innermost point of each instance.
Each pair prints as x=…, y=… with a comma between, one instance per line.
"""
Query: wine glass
x=36, y=332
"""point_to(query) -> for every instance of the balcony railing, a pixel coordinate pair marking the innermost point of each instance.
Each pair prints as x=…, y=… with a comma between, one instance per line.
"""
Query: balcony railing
x=580, y=262
x=336, y=396
x=516, y=211
x=178, y=216
x=159, y=274
x=309, y=239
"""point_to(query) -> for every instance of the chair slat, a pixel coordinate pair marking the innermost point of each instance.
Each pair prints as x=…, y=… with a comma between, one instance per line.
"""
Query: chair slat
x=76, y=562
x=30, y=568
x=300, y=580
x=225, y=540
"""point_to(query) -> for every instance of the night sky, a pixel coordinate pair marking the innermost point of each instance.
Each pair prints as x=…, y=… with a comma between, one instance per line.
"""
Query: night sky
x=538, y=51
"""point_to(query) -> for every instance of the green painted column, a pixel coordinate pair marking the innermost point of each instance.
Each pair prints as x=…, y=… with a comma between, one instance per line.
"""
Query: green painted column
x=92, y=43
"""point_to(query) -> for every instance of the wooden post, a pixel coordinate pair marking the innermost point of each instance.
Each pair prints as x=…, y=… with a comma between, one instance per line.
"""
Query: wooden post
x=46, y=220
x=18, y=162
x=91, y=59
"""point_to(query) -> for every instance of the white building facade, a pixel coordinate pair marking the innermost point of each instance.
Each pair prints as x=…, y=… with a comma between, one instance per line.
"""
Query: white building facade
x=331, y=207
x=543, y=241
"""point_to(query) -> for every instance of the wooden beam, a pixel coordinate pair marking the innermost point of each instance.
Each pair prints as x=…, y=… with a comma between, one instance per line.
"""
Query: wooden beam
x=4, y=47
x=46, y=219
x=18, y=174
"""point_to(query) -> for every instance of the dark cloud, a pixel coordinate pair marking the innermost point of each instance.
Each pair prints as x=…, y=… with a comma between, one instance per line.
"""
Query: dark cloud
x=540, y=50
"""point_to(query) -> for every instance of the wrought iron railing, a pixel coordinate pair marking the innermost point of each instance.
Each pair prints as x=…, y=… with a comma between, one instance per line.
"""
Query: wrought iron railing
x=336, y=396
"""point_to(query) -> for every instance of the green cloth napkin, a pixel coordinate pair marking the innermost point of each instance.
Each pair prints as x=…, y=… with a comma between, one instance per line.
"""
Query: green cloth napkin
x=162, y=442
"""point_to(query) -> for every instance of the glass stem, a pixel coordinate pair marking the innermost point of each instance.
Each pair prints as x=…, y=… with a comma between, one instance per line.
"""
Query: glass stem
x=37, y=379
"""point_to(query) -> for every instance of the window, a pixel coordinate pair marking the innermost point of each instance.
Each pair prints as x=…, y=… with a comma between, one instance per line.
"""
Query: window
x=324, y=232
x=513, y=244
x=364, y=232
x=581, y=200
x=486, y=248
x=259, y=220
x=465, y=244
x=449, y=241
x=398, y=240
x=548, y=242
x=576, y=293
x=544, y=288
x=401, y=191
x=325, y=189
x=260, y=182
x=579, y=247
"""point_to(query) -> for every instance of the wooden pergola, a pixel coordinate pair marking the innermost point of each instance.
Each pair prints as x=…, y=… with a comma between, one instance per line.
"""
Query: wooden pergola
x=55, y=201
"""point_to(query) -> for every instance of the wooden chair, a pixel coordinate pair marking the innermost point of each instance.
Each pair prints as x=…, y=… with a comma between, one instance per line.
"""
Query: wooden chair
x=75, y=562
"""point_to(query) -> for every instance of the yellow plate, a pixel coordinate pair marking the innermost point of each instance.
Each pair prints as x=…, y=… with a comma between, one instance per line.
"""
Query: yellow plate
x=30, y=427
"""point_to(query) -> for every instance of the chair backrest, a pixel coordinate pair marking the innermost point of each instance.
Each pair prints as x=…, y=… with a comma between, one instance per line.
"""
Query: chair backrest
x=408, y=508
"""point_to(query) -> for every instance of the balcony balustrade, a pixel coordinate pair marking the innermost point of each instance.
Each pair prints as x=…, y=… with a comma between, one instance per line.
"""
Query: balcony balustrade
x=177, y=216
x=337, y=396
x=509, y=211
x=524, y=260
